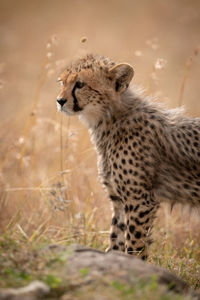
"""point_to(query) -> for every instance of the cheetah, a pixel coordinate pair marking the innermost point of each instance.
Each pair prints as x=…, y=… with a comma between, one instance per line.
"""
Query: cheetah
x=146, y=153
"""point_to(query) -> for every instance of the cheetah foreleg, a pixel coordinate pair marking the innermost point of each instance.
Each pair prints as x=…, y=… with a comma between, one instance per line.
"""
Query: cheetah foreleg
x=139, y=222
x=118, y=227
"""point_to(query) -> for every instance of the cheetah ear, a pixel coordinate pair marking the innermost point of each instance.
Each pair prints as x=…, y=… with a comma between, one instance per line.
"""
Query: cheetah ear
x=122, y=75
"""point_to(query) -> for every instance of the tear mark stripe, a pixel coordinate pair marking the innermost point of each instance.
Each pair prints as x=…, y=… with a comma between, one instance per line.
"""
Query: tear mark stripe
x=76, y=107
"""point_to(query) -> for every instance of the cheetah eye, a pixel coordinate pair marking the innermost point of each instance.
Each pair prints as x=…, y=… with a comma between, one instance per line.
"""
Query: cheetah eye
x=60, y=80
x=80, y=84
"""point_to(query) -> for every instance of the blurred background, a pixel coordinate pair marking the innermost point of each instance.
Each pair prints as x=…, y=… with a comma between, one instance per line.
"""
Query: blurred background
x=48, y=177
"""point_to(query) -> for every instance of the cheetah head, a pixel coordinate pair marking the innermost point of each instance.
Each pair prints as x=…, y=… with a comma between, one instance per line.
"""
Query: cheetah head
x=91, y=87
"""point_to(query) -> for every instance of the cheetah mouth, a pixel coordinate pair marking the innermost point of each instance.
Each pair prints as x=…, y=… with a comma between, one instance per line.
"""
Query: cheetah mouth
x=62, y=109
x=66, y=111
x=59, y=107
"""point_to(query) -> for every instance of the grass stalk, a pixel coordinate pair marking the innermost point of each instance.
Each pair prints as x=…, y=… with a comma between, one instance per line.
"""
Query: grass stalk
x=188, y=66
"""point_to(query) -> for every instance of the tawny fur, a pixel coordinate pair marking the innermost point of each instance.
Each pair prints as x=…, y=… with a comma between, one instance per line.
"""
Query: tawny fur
x=146, y=154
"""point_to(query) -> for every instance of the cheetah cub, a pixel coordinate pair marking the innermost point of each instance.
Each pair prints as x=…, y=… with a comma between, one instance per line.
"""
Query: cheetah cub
x=146, y=154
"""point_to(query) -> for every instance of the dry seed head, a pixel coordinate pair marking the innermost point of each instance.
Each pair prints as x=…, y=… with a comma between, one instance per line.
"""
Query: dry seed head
x=138, y=53
x=48, y=45
x=160, y=63
x=21, y=140
x=154, y=77
x=84, y=39
x=153, y=43
x=54, y=40
x=2, y=83
x=196, y=51
x=49, y=54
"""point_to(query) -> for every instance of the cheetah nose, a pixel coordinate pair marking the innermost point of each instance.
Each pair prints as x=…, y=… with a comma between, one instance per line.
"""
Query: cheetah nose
x=61, y=101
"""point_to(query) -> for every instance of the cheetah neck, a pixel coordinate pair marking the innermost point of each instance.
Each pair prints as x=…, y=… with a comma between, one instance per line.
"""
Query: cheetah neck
x=104, y=113
x=92, y=119
x=99, y=133
x=99, y=121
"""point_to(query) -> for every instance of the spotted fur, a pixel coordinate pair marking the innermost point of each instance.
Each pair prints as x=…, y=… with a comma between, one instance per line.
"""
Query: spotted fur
x=146, y=154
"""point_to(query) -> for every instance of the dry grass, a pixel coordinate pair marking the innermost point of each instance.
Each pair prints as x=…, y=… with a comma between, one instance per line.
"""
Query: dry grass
x=49, y=192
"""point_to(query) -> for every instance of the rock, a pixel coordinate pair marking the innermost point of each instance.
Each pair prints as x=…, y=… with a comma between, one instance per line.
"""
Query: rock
x=88, y=274
x=122, y=267
x=33, y=291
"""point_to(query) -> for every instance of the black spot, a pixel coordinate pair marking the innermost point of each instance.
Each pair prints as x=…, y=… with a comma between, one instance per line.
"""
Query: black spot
x=186, y=186
x=144, y=257
x=144, y=213
x=147, y=132
x=114, y=221
x=128, y=237
x=115, y=247
x=130, y=250
x=115, y=198
x=126, y=208
x=115, y=166
x=138, y=222
x=139, y=249
x=122, y=226
x=108, y=132
x=194, y=194
x=138, y=234
x=136, y=208
x=130, y=207
x=105, y=183
x=113, y=235
x=131, y=228
x=195, y=132
x=144, y=195
x=121, y=243
x=99, y=124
